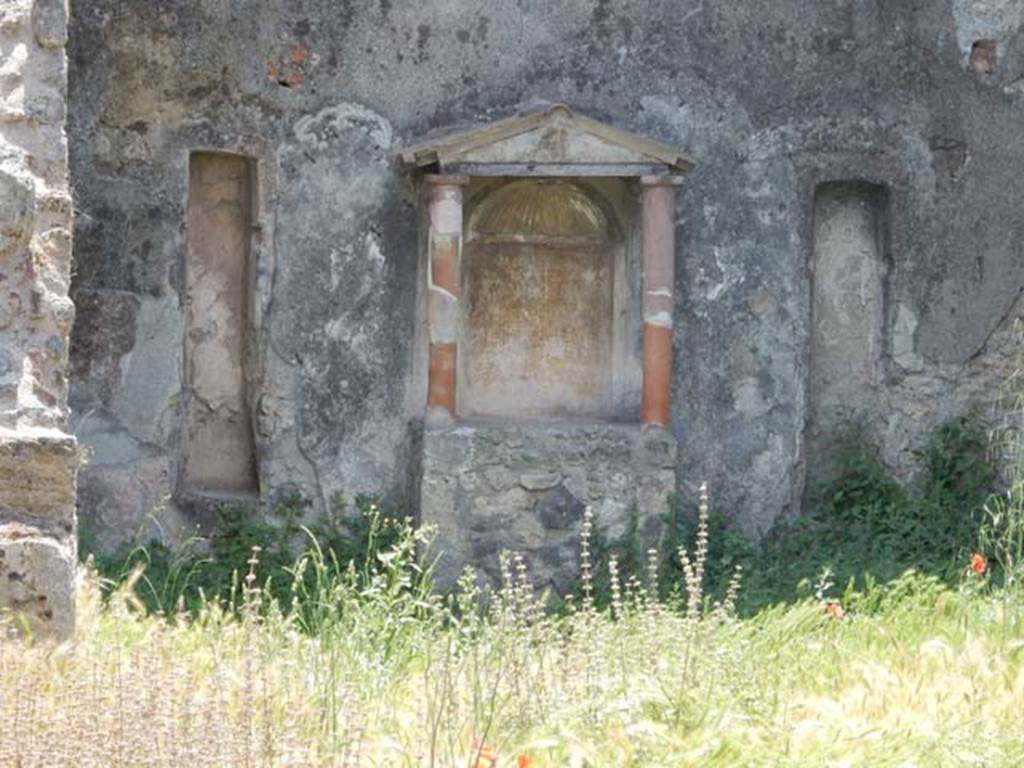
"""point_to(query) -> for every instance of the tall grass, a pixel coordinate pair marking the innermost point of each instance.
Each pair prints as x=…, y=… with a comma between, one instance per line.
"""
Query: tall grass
x=355, y=661
x=366, y=666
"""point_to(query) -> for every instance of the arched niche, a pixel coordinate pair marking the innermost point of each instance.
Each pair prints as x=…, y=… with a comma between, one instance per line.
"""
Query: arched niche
x=538, y=286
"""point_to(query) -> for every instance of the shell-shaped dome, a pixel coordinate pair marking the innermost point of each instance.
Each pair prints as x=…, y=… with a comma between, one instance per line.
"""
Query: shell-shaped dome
x=539, y=208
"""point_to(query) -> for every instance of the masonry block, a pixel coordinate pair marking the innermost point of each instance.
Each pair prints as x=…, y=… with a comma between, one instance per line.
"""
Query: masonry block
x=37, y=577
x=37, y=479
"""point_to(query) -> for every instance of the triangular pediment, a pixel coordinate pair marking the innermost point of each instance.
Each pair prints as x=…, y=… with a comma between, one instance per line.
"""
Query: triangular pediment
x=551, y=139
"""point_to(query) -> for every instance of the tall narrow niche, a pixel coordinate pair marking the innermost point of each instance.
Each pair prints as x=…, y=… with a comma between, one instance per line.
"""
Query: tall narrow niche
x=848, y=269
x=220, y=455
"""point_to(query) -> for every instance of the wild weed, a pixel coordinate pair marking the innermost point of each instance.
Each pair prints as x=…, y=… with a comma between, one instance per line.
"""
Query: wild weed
x=362, y=664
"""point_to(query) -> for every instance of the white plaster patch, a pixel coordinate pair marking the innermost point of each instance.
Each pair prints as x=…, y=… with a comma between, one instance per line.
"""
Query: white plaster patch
x=443, y=309
x=151, y=372
x=326, y=126
x=746, y=394
x=27, y=385
x=711, y=214
x=699, y=9
x=341, y=259
x=920, y=156
x=443, y=333
x=764, y=187
x=1015, y=88
x=337, y=267
x=14, y=13
x=662, y=319
x=14, y=62
x=903, y=332
x=446, y=295
x=985, y=20
x=696, y=119
x=818, y=133
x=374, y=254
x=106, y=441
x=731, y=276
x=446, y=212
x=342, y=330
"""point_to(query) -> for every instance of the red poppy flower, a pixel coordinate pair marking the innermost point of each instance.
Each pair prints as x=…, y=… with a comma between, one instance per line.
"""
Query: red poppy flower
x=524, y=761
x=978, y=563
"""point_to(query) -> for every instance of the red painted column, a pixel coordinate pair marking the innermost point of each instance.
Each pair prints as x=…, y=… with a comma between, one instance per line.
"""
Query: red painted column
x=445, y=243
x=658, y=202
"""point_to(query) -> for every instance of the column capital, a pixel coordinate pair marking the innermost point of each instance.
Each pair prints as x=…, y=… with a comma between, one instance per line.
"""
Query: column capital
x=446, y=179
x=652, y=180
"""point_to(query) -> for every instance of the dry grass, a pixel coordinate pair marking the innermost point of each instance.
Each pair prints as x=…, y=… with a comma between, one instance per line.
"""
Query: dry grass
x=913, y=675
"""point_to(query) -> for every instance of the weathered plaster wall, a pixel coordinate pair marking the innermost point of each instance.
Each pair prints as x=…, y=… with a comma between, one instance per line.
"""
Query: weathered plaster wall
x=38, y=459
x=774, y=97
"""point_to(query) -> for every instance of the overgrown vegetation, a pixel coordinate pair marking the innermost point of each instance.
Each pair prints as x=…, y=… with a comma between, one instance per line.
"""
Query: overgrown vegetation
x=863, y=526
x=370, y=668
x=188, y=576
x=239, y=655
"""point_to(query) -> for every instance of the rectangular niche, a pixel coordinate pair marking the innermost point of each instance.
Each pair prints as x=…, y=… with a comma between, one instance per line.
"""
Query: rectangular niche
x=848, y=270
x=220, y=454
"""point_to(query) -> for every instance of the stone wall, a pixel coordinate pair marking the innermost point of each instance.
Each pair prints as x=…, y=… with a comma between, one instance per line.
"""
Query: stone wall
x=775, y=98
x=38, y=458
x=524, y=488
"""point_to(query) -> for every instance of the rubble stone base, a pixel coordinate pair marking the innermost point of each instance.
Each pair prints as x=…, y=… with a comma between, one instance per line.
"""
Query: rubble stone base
x=524, y=488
